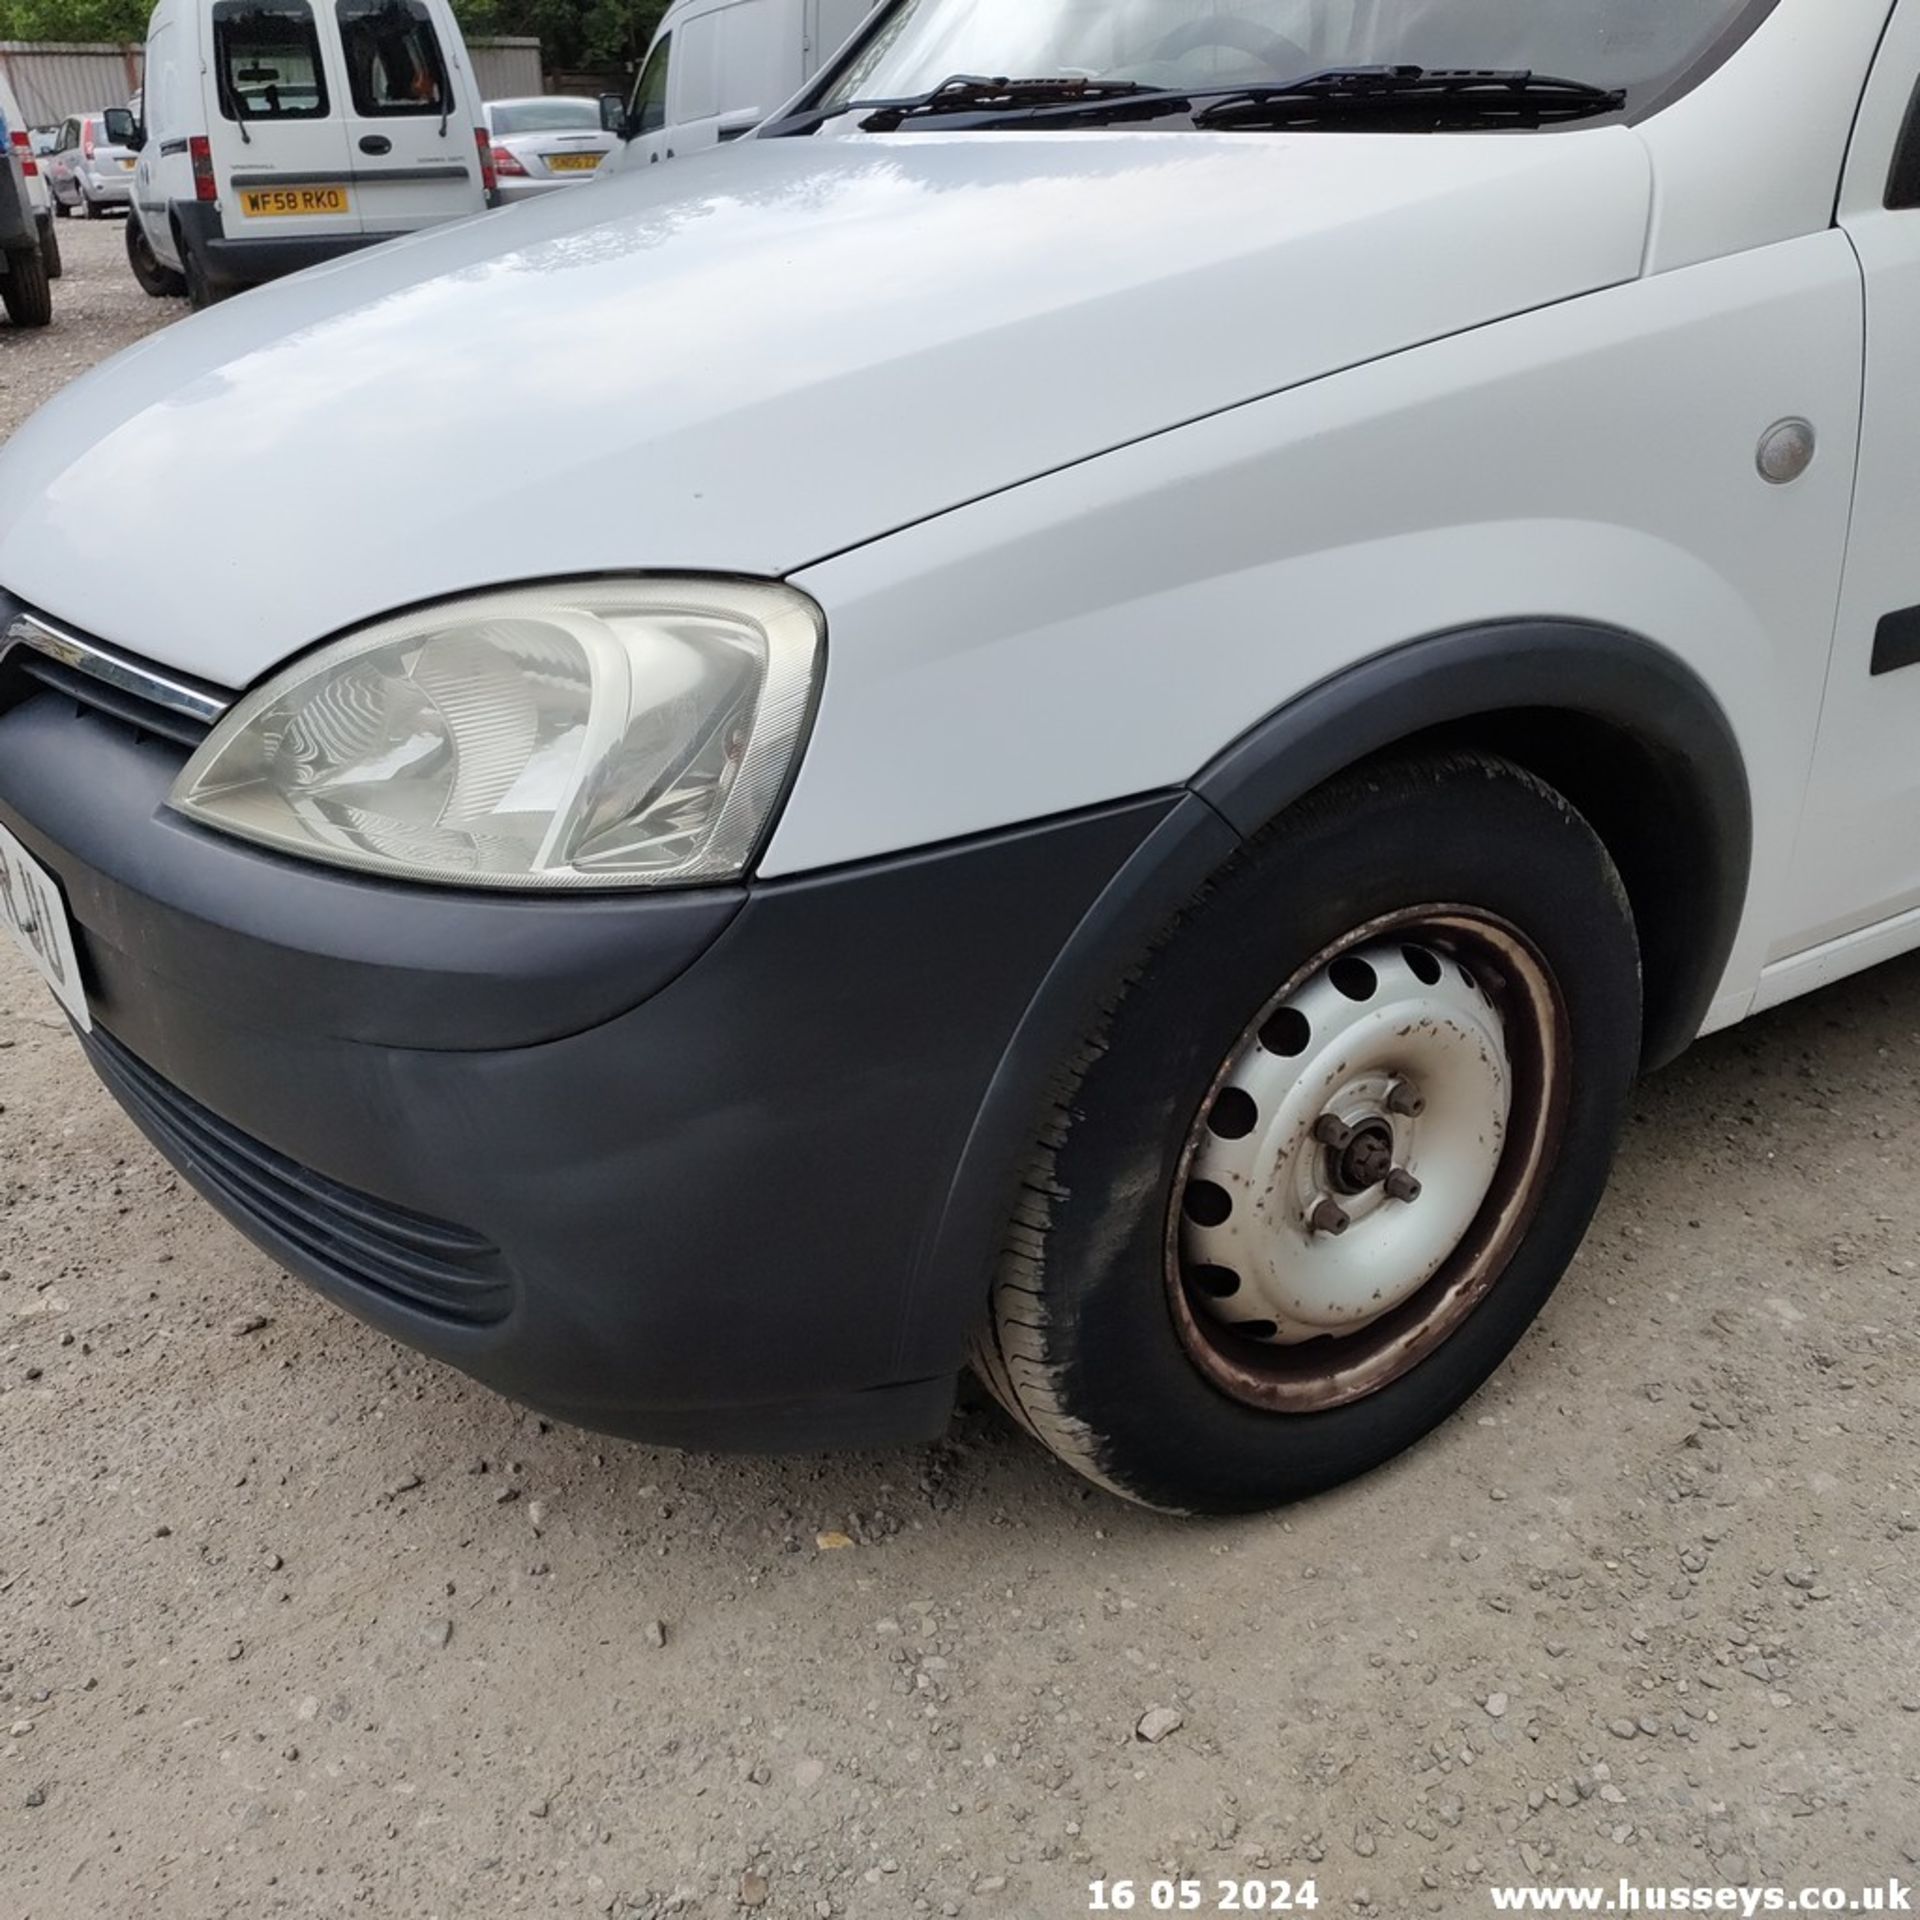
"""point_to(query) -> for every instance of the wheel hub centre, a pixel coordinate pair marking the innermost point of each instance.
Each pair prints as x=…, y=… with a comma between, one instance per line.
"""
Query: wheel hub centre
x=1363, y=1158
x=1347, y=1147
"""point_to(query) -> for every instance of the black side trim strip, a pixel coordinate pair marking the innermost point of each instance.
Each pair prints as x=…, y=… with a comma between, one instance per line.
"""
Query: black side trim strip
x=1896, y=641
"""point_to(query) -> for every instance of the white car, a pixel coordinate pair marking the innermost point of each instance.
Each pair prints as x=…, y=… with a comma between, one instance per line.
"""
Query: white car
x=1093, y=718
x=543, y=144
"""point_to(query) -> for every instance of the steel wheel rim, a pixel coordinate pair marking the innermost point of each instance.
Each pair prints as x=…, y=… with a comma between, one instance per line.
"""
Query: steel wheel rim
x=1493, y=980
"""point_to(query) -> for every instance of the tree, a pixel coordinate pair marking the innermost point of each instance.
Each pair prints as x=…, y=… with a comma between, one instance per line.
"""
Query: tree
x=573, y=34
x=119, y=20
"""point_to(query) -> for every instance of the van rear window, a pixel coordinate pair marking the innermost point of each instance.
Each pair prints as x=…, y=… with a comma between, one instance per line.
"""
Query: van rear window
x=393, y=57
x=267, y=57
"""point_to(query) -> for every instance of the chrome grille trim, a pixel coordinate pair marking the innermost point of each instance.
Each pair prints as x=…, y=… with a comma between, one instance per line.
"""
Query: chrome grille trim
x=189, y=700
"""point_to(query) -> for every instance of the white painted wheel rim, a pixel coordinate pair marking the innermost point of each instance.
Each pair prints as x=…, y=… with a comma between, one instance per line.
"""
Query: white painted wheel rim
x=1400, y=1045
x=1501, y=993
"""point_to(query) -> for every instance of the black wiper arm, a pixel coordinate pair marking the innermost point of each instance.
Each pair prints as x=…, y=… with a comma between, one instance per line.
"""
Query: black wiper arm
x=1412, y=99
x=1390, y=99
x=973, y=93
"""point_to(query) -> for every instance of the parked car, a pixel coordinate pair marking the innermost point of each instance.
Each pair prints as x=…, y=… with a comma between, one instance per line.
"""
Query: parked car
x=544, y=143
x=29, y=248
x=1100, y=713
x=279, y=133
x=86, y=171
x=43, y=140
x=717, y=68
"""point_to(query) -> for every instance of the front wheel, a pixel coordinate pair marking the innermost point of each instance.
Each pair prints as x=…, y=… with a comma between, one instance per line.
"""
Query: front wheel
x=26, y=292
x=1331, y=1149
x=89, y=210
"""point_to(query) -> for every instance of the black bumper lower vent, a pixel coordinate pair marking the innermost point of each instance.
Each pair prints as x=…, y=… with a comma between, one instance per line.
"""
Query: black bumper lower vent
x=348, y=1238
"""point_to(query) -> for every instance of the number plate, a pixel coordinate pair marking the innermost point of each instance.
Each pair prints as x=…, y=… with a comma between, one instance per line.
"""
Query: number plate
x=572, y=162
x=32, y=911
x=276, y=203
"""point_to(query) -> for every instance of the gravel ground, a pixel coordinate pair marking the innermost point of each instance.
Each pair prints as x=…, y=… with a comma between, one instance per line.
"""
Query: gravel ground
x=292, y=1622
x=97, y=309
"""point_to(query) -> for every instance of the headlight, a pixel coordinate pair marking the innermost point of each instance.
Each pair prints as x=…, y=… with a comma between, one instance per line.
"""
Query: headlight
x=595, y=733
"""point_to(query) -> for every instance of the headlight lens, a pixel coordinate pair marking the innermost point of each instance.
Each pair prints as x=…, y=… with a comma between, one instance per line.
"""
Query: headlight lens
x=588, y=734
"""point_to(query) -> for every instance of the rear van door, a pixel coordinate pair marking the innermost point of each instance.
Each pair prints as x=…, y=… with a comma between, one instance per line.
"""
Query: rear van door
x=409, y=123
x=279, y=131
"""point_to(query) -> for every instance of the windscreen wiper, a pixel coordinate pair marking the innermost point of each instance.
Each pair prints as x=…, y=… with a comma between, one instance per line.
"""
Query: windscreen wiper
x=972, y=93
x=1390, y=99
x=1411, y=100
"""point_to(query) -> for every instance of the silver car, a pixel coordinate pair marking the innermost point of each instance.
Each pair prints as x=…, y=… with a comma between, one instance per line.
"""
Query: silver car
x=543, y=143
x=86, y=171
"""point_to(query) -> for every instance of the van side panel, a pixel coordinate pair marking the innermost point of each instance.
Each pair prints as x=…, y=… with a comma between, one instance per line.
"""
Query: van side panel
x=163, y=168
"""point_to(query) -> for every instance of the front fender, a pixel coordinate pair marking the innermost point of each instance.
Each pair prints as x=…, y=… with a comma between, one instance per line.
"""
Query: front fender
x=1114, y=628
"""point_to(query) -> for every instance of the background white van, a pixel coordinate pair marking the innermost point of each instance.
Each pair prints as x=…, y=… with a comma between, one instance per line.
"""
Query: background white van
x=717, y=68
x=278, y=133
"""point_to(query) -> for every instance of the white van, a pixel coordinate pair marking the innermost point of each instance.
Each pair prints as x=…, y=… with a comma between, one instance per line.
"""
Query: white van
x=717, y=68
x=278, y=133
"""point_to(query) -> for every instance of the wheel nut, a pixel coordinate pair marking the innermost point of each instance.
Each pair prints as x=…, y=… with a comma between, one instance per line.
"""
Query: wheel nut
x=1332, y=1132
x=1329, y=1217
x=1406, y=1100
x=1401, y=1185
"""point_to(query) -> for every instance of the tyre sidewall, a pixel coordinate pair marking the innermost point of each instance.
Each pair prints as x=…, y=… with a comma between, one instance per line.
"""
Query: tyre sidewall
x=26, y=292
x=1470, y=833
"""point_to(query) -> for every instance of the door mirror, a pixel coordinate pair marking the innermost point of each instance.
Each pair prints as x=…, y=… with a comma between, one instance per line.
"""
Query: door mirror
x=122, y=130
x=613, y=115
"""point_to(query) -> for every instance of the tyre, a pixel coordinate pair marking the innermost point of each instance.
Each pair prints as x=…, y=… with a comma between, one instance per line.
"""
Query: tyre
x=154, y=278
x=60, y=207
x=89, y=208
x=26, y=292
x=1331, y=1147
x=50, y=250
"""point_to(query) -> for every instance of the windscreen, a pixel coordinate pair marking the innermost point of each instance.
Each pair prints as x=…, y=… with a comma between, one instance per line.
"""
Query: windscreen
x=544, y=116
x=1642, y=45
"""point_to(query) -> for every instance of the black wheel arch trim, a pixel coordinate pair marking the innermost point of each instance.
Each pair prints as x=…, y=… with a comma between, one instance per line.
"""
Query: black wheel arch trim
x=1515, y=685
x=1553, y=694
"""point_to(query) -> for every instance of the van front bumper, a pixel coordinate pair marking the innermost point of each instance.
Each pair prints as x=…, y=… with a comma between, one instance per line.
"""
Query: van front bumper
x=681, y=1167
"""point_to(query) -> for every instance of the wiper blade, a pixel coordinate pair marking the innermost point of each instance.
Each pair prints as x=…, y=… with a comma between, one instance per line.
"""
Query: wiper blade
x=1387, y=99
x=972, y=93
x=1412, y=99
